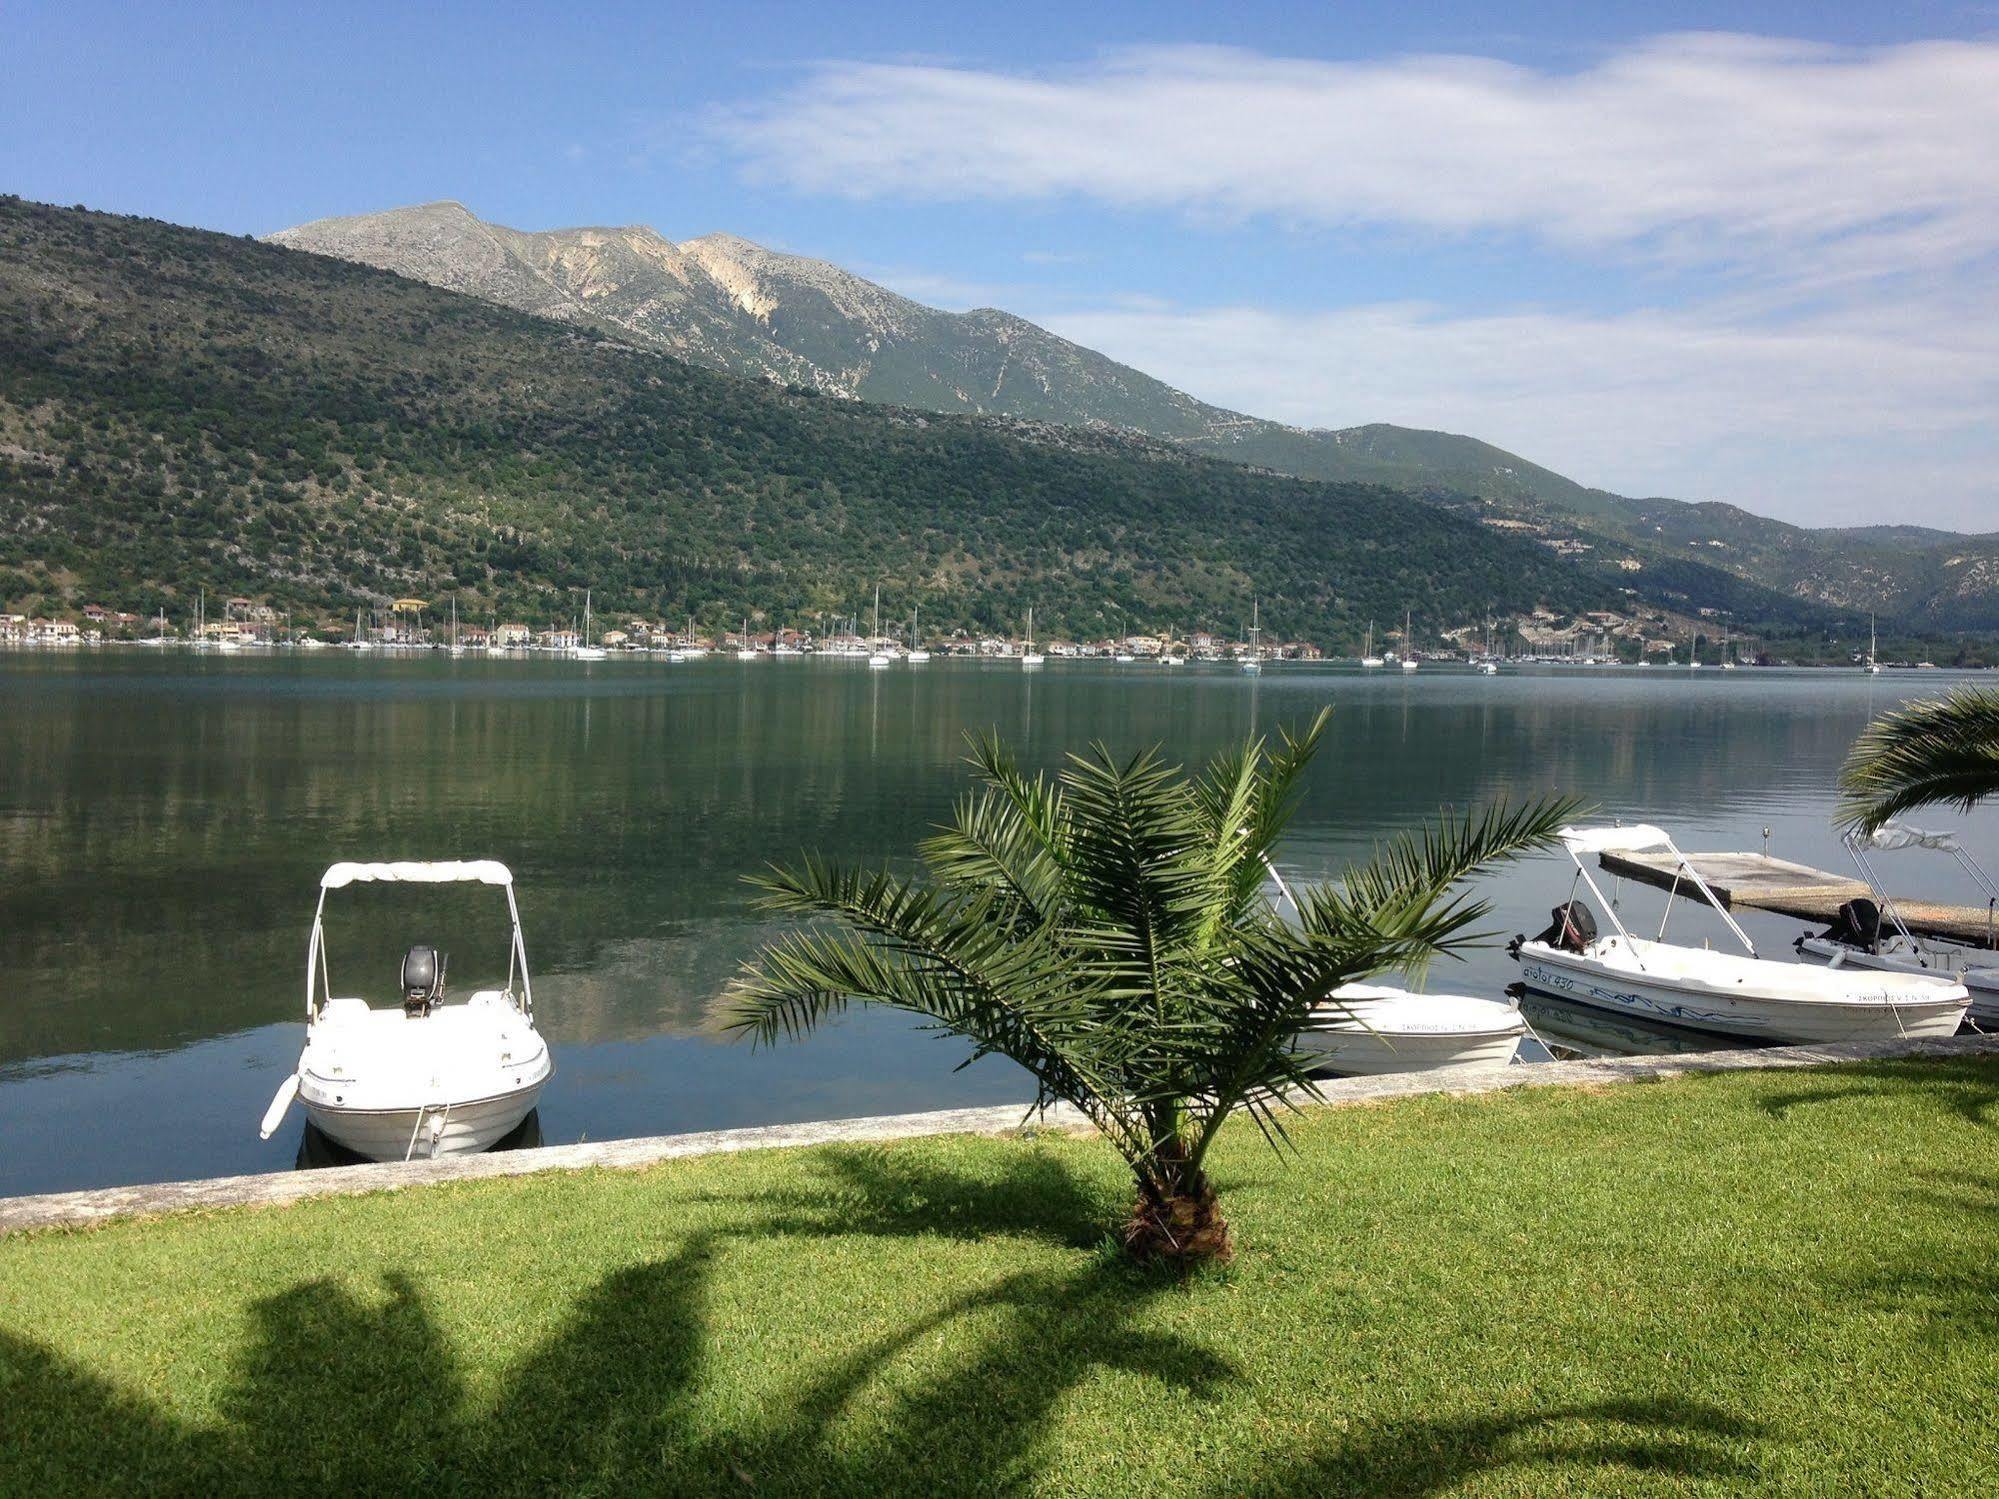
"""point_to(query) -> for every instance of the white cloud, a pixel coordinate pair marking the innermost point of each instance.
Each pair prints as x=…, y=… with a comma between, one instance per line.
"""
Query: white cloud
x=1837, y=418
x=1695, y=147
x=1838, y=206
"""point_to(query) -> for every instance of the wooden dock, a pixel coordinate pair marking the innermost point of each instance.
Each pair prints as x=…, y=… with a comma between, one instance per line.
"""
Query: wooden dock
x=1760, y=882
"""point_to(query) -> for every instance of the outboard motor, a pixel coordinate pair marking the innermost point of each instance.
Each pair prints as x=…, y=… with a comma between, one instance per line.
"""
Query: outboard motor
x=423, y=979
x=1572, y=927
x=1856, y=924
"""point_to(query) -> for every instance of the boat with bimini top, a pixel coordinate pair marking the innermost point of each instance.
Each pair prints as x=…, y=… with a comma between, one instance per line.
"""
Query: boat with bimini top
x=1727, y=993
x=420, y=1076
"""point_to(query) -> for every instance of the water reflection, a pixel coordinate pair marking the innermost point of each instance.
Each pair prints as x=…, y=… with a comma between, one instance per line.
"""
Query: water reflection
x=1568, y=1030
x=163, y=821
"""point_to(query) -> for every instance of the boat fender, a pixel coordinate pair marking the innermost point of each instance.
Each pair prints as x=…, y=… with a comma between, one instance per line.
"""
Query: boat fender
x=274, y=1115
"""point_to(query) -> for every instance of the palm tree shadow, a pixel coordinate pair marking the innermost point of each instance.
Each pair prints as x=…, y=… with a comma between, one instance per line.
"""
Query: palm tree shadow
x=344, y=1393
x=1665, y=1437
x=1955, y=1299
x=1969, y=1085
x=884, y=1192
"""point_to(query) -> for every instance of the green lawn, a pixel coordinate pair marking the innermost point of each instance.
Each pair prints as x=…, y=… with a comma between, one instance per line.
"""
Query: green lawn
x=1751, y=1281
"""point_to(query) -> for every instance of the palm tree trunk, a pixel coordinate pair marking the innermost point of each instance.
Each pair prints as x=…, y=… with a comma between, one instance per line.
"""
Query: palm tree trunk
x=1176, y=1219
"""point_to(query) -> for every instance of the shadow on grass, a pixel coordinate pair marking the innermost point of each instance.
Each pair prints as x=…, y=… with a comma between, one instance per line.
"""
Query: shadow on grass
x=896, y=1194
x=1668, y=1438
x=1969, y=1086
x=642, y=1389
x=1955, y=1299
x=336, y=1392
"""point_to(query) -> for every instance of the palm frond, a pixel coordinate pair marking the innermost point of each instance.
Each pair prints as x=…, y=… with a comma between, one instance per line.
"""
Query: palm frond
x=1941, y=752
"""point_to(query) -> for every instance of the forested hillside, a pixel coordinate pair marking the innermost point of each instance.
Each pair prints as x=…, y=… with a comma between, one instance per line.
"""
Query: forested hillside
x=181, y=409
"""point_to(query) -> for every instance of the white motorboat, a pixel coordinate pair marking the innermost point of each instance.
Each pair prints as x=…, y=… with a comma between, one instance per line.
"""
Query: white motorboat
x=1727, y=993
x=1374, y=1029
x=1857, y=937
x=419, y=1077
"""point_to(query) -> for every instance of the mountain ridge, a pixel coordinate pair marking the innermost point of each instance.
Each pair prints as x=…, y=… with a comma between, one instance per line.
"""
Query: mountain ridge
x=184, y=411
x=727, y=302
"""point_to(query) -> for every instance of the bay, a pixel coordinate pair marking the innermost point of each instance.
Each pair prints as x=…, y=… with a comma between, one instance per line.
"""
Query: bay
x=164, y=819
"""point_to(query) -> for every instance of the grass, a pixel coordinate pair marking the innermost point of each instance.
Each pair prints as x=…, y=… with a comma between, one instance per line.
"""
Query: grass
x=1773, y=1281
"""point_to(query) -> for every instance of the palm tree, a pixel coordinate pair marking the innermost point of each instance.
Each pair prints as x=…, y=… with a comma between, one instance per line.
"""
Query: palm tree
x=1942, y=750
x=1108, y=930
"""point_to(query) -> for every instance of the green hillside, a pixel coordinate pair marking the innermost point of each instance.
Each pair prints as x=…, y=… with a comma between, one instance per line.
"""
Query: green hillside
x=183, y=410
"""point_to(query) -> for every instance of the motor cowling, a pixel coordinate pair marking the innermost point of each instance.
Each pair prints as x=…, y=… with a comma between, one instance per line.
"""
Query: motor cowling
x=1571, y=927
x=422, y=979
x=1857, y=923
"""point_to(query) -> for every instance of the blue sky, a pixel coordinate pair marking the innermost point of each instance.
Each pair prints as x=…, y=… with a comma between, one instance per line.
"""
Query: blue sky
x=1750, y=264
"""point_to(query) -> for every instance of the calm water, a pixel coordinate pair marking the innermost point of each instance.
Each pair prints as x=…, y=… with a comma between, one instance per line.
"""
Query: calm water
x=163, y=822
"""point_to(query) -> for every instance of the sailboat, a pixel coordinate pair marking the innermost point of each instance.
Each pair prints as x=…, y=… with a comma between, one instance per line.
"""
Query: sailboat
x=1253, y=662
x=1727, y=660
x=456, y=648
x=586, y=651
x=1487, y=667
x=360, y=641
x=1030, y=657
x=1367, y=655
x=1408, y=651
x=878, y=657
x=917, y=654
x=745, y=649
x=1873, y=666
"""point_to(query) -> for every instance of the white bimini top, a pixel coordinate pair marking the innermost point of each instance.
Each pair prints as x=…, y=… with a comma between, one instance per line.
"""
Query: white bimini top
x=419, y=872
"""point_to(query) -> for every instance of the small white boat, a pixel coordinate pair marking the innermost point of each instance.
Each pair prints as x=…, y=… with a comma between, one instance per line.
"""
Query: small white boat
x=1857, y=937
x=1727, y=993
x=419, y=1077
x=1031, y=657
x=917, y=654
x=1408, y=649
x=1375, y=1029
x=1488, y=669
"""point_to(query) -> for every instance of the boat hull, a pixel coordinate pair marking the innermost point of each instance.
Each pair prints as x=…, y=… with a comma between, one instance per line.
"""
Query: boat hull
x=1374, y=1029
x=1583, y=980
x=1365, y=1054
x=1982, y=983
x=427, y=1132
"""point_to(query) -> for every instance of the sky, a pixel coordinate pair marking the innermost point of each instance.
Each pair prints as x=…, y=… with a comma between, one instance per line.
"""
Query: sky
x=1739, y=253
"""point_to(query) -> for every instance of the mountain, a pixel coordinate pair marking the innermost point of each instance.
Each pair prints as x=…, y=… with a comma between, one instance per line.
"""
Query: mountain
x=182, y=410
x=732, y=305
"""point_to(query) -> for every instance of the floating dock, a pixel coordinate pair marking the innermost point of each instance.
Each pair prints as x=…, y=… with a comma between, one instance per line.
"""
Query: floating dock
x=1761, y=882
